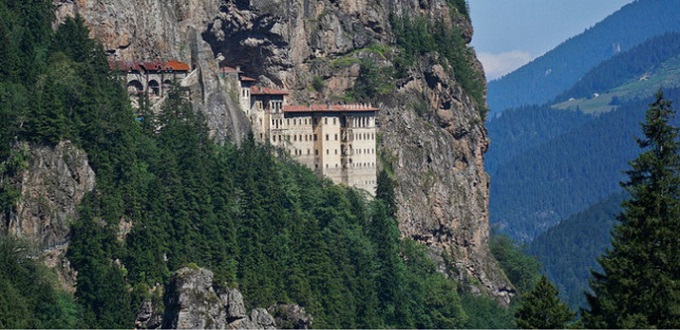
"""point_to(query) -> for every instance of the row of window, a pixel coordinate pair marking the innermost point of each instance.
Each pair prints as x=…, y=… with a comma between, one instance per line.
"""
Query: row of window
x=362, y=122
x=356, y=165
x=356, y=122
x=364, y=136
x=276, y=106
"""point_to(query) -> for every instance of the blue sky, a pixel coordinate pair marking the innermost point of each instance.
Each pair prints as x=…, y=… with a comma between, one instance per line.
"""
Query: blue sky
x=510, y=33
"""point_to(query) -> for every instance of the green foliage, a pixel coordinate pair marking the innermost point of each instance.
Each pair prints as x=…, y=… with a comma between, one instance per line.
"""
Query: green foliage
x=318, y=84
x=542, y=309
x=485, y=313
x=638, y=285
x=521, y=269
x=461, y=6
x=28, y=298
x=419, y=36
x=374, y=80
x=568, y=251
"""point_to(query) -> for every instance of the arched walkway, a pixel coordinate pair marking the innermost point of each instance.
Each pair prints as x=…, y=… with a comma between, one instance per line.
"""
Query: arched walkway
x=135, y=87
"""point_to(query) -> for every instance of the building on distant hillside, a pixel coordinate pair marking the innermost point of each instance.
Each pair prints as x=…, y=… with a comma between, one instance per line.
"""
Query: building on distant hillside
x=337, y=141
x=153, y=77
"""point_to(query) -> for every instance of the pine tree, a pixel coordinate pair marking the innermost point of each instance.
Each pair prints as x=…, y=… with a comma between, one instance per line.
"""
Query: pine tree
x=640, y=283
x=542, y=309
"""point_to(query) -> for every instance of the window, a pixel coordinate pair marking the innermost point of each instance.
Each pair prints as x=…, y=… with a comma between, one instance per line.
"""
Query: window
x=295, y=138
x=326, y=137
x=328, y=151
x=325, y=121
x=315, y=137
x=316, y=152
x=336, y=137
x=336, y=151
x=288, y=122
x=294, y=122
x=334, y=124
x=308, y=152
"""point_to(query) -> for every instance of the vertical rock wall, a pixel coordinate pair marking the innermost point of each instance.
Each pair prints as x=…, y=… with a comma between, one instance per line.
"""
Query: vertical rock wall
x=432, y=135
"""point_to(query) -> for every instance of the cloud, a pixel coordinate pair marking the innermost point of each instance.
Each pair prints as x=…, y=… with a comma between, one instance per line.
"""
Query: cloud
x=497, y=65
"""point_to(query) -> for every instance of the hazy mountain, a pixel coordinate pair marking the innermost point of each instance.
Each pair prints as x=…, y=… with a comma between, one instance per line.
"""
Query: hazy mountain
x=551, y=74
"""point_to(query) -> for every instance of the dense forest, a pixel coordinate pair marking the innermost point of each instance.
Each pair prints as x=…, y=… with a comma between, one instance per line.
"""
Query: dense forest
x=565, y=175
x=551, y=74
x=260, y=221
x=519, y=130
x=569, y=250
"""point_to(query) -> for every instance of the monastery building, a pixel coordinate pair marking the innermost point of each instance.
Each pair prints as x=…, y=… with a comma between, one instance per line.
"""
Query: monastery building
x=334, y=140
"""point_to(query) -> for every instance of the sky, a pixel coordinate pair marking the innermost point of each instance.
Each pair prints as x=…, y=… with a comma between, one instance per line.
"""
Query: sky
x=510, y=33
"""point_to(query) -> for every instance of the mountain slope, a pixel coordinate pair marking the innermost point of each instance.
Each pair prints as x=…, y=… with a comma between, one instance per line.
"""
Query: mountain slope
x=638, y=63
x=521, y=129
x=636, y=73
x=569, y=250
x=565, y=175
x=551, y=74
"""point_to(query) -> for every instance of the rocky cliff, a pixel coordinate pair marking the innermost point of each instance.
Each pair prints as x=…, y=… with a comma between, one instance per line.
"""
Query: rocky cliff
x=52, y=184
x=193, y=302
x=431, y=133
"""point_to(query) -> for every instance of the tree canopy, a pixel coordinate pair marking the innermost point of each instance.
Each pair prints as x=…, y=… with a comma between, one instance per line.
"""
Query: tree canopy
x=639, y=286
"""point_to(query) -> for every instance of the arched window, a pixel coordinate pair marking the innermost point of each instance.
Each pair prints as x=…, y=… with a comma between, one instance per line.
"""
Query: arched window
x=135, y=87
x=154, y=88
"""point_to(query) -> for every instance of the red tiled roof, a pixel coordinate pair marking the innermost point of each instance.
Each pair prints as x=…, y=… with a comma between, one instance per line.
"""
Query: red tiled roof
x=329, y=108
x=175, y=65
x=244, y=78
x=127, y=66
x=124, y=66
x=256, y=90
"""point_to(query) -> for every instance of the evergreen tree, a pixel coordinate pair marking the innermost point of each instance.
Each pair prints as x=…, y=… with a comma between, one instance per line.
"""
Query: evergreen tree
x=542, y=309
x=640, y=283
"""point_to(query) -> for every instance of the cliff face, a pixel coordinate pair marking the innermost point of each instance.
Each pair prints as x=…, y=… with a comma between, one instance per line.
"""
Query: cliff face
x=432, y=134
x=51, y=186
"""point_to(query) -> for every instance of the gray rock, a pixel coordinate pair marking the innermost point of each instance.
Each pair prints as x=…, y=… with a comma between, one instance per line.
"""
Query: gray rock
x=290, y=316
x=233, y=301
x=193, y=304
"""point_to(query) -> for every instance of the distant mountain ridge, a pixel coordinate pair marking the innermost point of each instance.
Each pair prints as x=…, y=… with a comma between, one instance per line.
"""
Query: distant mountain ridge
x=635, y=64
x=551, y=74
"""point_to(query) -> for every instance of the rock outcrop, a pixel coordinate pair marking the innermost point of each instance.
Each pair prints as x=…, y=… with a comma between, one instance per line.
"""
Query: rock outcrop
x=193, y=303
x=432, y=133
x=51, y=186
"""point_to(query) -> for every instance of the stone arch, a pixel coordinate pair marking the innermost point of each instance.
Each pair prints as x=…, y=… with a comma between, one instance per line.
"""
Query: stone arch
x=135, y=87
x=154, y=88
